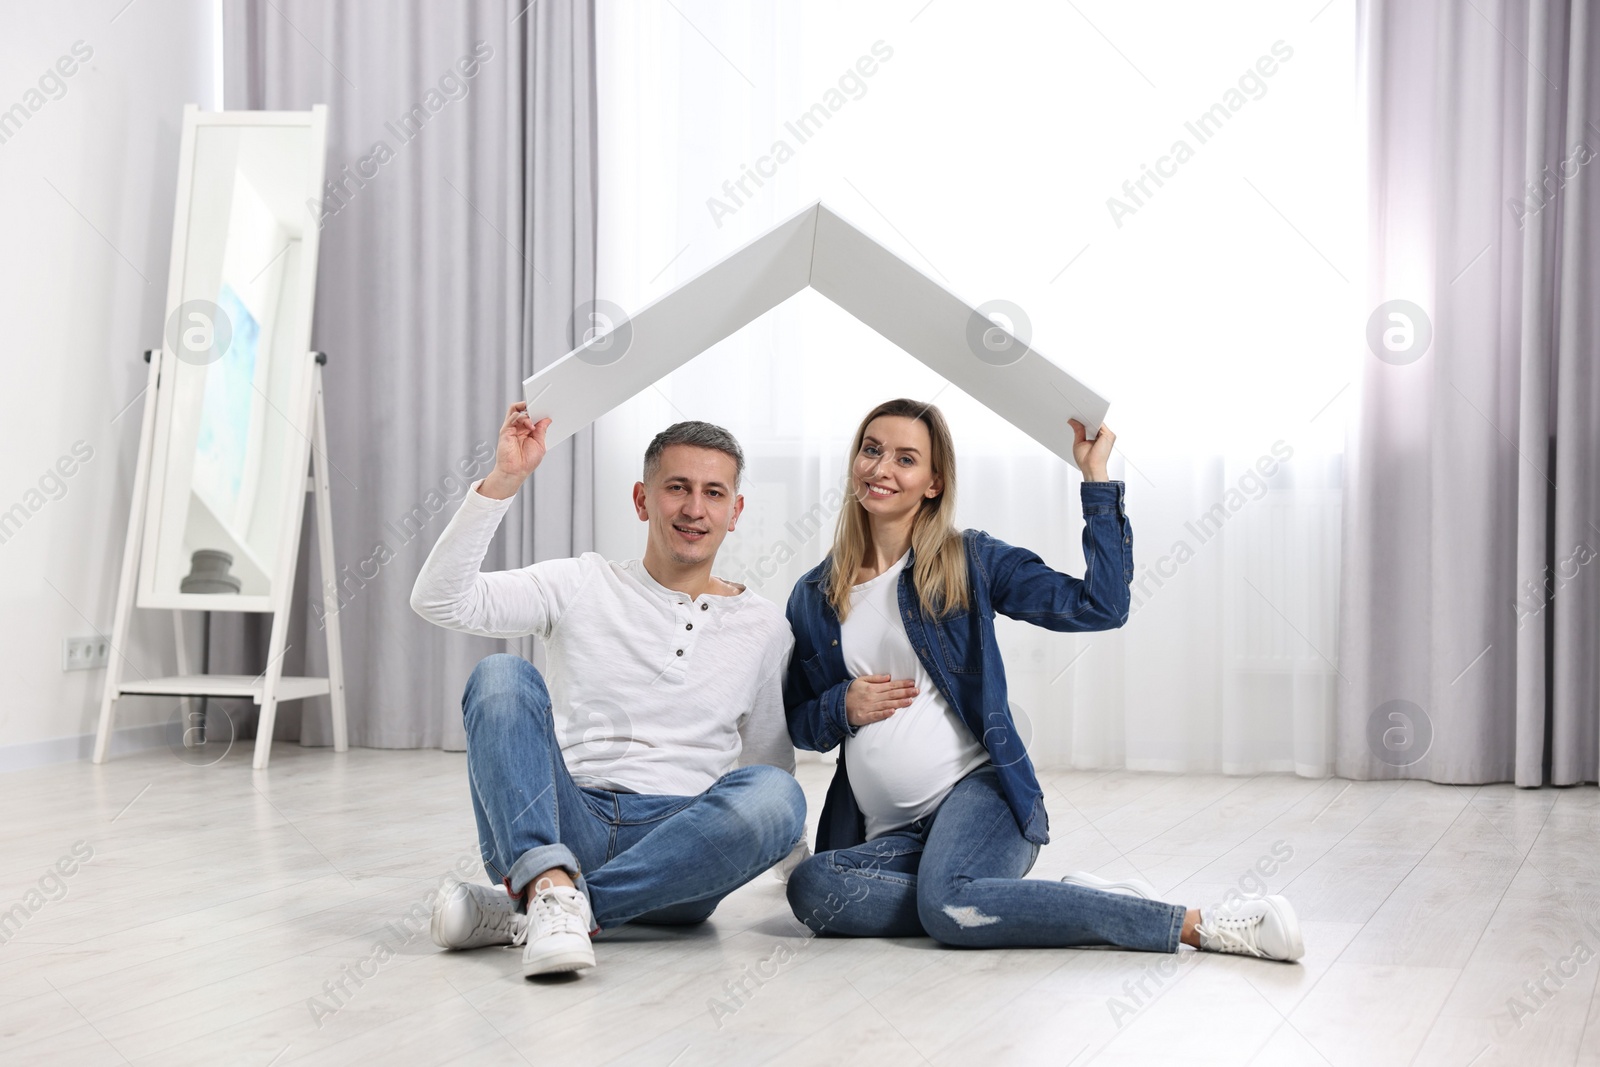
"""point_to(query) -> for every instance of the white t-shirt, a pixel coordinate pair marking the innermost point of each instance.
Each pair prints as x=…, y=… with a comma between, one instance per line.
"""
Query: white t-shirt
x=651, y=692
x=901, y=768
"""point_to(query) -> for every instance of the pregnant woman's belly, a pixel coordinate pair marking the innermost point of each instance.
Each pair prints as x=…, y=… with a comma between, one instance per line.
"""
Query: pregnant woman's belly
x=902, y=767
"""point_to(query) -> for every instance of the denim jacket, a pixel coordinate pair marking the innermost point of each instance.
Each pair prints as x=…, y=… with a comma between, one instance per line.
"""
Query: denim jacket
x=960, y=653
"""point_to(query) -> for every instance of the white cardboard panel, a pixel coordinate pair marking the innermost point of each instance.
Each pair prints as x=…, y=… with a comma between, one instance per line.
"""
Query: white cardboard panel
x=580, y=386
x=815, y=247
x=932, y=324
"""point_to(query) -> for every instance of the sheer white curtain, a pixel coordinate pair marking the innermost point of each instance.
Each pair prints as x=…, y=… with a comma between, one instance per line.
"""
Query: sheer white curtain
x=1216, y=306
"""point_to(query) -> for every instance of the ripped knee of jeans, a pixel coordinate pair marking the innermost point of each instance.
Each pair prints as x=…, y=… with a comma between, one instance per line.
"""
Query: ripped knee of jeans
x=968, y=917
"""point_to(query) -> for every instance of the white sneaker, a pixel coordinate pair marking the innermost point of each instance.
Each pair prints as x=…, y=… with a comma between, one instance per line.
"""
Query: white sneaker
x=1129, y=887
x=557, y=932
x=1266, y=928
x=468, y=915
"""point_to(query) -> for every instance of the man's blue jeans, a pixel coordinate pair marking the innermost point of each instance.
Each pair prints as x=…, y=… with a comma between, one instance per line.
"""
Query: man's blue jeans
x=957, y=876
x=639, y=857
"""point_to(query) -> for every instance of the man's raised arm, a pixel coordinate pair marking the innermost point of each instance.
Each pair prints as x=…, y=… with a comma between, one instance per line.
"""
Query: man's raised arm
x=452, y=592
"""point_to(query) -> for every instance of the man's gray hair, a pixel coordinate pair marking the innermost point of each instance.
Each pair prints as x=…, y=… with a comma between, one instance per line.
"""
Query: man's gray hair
x=700, y=435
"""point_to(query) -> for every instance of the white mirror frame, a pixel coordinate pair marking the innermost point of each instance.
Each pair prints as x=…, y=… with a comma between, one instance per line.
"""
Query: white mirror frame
x=294, y=491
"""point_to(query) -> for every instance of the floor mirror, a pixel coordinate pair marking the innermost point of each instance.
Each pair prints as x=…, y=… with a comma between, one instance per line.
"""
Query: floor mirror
x=233, y=417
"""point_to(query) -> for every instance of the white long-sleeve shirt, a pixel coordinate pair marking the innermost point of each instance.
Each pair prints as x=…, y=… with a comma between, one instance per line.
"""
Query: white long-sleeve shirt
x=651, y=691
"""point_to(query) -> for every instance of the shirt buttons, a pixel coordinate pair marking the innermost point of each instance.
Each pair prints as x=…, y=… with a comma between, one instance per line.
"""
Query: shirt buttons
x=680, y=651
x=836, y=641
x=688, y=626
x=703, y=607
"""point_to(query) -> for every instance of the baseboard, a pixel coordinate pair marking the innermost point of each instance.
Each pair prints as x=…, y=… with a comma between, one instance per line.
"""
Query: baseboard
x=29, y=754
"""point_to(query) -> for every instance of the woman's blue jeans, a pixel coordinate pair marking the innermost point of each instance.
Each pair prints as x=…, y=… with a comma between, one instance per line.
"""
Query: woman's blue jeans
x=957, y=876
x=639, y=857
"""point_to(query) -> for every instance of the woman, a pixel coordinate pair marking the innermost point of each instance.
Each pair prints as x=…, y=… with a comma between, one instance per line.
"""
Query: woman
x=934, y=815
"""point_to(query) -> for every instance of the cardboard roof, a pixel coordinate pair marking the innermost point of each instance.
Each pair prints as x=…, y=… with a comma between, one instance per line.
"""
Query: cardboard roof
x=817, y=248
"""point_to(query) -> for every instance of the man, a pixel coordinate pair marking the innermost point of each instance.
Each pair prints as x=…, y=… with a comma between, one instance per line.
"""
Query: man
x=611, y=795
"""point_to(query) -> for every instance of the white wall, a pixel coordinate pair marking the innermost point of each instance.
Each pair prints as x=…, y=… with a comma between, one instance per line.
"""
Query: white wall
x=87, y=182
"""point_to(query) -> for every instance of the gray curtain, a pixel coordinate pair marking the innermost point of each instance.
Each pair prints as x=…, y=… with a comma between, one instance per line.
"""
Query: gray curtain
x=458, y=237
x=1471, y=561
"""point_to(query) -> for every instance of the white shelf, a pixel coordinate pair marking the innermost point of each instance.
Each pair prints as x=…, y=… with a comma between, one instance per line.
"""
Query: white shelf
x=225, y=685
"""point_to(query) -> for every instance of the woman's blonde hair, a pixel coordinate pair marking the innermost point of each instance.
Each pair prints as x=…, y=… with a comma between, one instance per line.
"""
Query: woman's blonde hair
x=939, y=571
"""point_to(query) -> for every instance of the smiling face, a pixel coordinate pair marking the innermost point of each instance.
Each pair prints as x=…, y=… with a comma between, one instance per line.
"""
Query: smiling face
x=690, y=504
x=893, y=469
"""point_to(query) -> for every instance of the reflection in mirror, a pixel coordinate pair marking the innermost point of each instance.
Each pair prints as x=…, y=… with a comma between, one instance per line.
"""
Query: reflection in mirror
x=234, y=409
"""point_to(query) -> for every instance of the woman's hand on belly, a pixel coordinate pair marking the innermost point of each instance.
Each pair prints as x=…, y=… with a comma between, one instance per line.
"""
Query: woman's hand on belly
x=872, y=698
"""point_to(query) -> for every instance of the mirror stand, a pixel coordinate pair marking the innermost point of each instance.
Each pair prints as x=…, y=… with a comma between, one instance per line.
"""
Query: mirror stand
x=271, y=686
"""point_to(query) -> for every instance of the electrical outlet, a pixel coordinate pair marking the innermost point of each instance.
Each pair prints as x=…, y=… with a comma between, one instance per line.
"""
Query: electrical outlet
x=84, y=653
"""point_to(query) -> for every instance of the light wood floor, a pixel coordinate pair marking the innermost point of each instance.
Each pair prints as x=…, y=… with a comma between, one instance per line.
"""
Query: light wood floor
x=218, y=902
